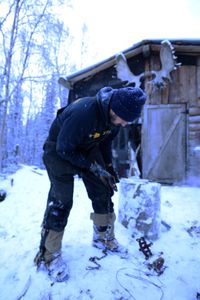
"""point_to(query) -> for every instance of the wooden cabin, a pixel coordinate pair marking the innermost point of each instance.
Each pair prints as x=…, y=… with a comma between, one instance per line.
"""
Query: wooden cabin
x=170, y=127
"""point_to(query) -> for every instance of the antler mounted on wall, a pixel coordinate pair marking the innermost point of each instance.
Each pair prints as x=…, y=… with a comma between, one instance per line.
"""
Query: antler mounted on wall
x=160, y=78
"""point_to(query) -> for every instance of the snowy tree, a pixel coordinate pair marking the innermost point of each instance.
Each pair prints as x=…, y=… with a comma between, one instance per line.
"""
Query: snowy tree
x=16, y=47
x=38, y=126
x=31, y=38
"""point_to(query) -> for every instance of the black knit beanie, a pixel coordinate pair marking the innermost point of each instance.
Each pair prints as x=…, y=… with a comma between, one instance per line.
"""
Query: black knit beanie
x=127, y=103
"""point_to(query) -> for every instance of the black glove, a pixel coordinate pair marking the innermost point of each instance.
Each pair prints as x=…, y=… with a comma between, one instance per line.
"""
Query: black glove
x=104, y=175
x=112, y=171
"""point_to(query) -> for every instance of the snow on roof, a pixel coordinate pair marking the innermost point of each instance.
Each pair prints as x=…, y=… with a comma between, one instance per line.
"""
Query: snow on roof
x=186, y=45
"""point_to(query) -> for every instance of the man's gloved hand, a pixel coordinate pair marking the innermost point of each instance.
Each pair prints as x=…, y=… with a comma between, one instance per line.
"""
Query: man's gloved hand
x=112, y=171
x=104, y=175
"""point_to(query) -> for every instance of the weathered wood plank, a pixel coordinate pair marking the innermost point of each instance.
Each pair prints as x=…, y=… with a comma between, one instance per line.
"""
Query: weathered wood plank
x=198, y=77
x=155, y=92
x=174, y=96
x=187, y=84
x=194, y=127
x=194, y=111
x=194, y=119
x=192, y=85
x=182, y=87
x=193, y=142
x=194, y=135
x=181, y=47
x=165, y=94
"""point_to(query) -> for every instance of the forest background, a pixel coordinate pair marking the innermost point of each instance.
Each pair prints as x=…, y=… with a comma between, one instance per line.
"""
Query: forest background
x=32, y=37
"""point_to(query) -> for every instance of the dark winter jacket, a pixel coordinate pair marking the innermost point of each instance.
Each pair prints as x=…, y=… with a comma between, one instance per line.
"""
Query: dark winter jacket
x=83, y=125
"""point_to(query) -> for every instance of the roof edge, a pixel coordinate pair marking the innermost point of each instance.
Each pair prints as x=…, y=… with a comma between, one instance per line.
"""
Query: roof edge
x=178, y=44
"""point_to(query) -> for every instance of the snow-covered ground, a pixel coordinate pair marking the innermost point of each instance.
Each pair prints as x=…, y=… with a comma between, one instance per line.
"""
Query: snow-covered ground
x=21, y=214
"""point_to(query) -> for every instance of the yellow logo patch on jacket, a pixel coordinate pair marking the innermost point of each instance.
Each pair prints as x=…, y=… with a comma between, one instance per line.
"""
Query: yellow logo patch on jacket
x=96, y=135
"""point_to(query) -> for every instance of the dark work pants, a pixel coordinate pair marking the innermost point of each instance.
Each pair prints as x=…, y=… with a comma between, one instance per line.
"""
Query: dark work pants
x=60, y=197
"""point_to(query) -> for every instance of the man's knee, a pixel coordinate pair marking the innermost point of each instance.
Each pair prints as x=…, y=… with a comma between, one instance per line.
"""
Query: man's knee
x=56, y=215
x=102, y=205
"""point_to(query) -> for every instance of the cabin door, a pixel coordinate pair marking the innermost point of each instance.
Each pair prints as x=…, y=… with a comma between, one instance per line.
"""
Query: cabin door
x=164, y=142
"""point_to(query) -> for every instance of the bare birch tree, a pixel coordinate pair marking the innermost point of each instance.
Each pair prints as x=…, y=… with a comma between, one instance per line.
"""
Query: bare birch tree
x=22, y=47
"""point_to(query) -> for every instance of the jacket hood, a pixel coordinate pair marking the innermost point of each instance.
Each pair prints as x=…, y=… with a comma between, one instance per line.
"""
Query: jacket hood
x=103, y=98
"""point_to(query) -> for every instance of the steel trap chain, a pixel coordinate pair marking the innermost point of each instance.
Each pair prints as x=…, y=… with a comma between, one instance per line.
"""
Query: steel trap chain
x=144, y=247
x=156, y=265
x=105, y=252
x=94, y=260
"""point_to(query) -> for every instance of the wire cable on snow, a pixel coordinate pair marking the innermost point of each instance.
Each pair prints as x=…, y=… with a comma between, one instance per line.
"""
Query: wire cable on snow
x=147, y=281
x=25, y=289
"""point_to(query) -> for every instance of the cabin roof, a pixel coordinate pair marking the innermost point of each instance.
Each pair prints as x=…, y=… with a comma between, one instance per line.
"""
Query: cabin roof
x=184, y=47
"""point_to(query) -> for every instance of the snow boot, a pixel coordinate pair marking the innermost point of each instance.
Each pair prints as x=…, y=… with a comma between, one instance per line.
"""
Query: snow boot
x=103, y=232
x=50, y=255
x=57, y=268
